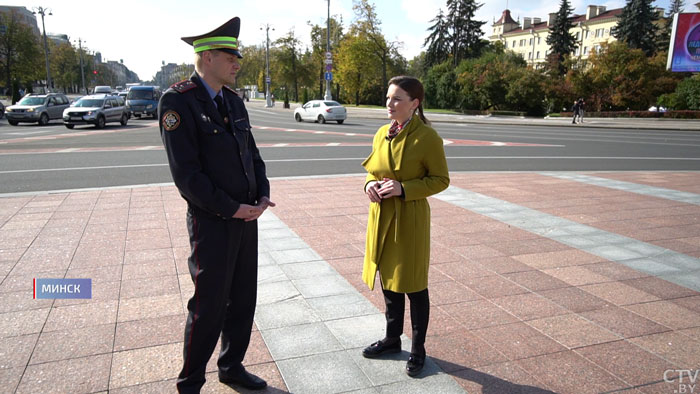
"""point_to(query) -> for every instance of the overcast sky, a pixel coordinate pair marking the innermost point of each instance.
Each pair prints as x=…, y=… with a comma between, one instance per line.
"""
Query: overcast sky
x=145, y=33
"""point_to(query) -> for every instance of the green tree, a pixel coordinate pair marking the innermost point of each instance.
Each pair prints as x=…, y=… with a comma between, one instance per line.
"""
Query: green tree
x=319, y=40
x=526, y=91
x=65, y=66
x=357, y=71
x=368, y=25
x=20, y=56
x=252, y=66
x=636, y=26
x=664, y=39
x=485, y=81
x=623, y=77
x=687, y=94
x=288, y=61
x=438, y=41
x=465, y=30
x=560, y=40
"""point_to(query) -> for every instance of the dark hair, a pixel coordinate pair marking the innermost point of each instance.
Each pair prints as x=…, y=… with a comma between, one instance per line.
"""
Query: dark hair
x=415, y=90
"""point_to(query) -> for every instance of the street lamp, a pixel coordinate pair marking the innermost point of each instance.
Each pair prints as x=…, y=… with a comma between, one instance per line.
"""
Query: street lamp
x=328, y=51
x=42, y=11
x=268, y=97
x=82, y=71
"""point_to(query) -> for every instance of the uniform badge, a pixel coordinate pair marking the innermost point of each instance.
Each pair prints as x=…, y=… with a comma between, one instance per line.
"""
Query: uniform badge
x=171, y=120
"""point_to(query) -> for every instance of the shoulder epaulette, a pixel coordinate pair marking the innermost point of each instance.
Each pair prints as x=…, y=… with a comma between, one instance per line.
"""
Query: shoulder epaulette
x=230, y=90
x=183, y=86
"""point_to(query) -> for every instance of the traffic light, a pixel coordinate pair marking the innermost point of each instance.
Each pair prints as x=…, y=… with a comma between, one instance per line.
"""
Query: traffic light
x=94, y=72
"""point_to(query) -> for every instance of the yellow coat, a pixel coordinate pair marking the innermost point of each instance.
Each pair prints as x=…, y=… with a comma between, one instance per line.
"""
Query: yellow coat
x=398, y=229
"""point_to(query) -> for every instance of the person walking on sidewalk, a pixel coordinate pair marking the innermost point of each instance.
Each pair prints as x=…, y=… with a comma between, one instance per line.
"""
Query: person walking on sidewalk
x=407, y=164
x=575, y=109
x=218, y=170
x=581, y=107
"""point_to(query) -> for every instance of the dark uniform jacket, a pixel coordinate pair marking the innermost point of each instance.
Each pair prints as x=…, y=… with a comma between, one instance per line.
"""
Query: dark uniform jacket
x=214, y=161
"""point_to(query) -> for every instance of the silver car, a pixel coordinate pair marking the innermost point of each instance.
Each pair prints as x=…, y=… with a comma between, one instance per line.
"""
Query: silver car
x=39, y=108
x=321, y=111
x=97, y=110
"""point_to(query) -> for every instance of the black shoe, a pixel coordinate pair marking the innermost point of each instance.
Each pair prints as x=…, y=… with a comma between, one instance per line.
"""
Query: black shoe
x=415, y=364
x=243, y=379
x=378, y=348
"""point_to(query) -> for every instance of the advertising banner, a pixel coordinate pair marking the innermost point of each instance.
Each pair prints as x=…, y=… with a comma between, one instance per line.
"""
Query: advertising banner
x=684, y=53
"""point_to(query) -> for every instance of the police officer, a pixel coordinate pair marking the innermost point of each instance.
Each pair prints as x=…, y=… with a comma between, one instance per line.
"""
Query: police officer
x=218, y=170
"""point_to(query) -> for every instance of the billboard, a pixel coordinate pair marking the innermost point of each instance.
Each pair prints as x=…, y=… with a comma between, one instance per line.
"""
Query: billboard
x=684, y=53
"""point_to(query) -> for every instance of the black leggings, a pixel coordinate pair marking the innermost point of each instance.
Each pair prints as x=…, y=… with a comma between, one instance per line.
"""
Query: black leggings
x=420, y=313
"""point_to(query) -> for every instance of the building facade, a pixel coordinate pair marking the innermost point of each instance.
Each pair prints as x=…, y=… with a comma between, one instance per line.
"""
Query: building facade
x=24, y=16
x=529, y=39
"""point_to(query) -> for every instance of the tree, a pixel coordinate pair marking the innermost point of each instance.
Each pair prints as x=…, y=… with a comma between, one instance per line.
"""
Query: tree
x=252, y=66
x=438, y=41
x=369, y=25
x=356, y=70
x=20, y=57
x=466, y=32
x=636, y=26
x=65, y=66
x=288, y=61
x=687, y=94
x=319, y=38
x=560, y=40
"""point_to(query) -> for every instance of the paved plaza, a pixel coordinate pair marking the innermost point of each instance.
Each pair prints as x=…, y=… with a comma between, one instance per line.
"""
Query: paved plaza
x=566, y=282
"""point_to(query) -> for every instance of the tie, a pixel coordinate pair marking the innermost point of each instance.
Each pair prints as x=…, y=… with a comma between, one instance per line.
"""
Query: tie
x=221, y=106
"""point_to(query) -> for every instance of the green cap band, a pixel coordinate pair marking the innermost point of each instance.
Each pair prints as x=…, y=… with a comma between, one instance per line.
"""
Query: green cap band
x=209, y=43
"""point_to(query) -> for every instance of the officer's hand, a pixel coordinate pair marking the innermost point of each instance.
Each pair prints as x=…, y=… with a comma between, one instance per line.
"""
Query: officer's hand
x=246, y=212
x=265, y=202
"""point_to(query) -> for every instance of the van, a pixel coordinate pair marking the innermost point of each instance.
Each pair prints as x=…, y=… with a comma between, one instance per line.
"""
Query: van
x=143, y=101
x=102, y=89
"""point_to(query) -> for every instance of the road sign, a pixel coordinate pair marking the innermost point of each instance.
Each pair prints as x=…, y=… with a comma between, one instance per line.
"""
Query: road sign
x=329, y=76
x=329, y=67
x=267, y=80
x=329, y=61
x=329, y=55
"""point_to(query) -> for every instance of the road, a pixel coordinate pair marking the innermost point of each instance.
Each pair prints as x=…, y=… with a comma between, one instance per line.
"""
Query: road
x=34, y=158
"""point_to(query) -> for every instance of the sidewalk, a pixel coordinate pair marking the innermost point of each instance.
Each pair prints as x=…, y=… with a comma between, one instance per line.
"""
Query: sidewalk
x=609, y=123
x=539, y=282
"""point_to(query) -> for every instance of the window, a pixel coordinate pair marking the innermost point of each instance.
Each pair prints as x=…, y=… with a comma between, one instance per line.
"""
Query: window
x=522, y=42
x=585, y=50
x=531, y=40
x=316, y=105
x=529, y=56
x=587, y=31
x=538, y=55
x=599, y=33
x=513, y=44
x=576, y=51
x=538, y=40
x=578, y=35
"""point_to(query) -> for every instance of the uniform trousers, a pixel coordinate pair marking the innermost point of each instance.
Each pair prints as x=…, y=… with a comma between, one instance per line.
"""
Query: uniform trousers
x=223, y=265
x=420, y=314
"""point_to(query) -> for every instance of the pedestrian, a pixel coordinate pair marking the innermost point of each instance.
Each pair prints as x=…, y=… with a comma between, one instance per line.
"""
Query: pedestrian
x=581, y=107
x=218, y=170
x=407, y=164
x=575, y=109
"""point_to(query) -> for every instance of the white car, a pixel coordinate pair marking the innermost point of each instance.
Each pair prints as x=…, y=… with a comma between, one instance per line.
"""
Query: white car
x=321, y=111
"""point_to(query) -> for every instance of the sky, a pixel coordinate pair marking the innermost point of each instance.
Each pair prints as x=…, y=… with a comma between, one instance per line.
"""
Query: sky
x=145, y=33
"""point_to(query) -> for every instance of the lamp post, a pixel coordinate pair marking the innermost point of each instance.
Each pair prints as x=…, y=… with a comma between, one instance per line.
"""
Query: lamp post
x=328, y=51
x=42, y=11
x=268, y=97
x=82, y=71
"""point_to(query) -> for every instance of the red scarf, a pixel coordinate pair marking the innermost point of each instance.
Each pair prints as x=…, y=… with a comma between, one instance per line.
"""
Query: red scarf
x=395, y=129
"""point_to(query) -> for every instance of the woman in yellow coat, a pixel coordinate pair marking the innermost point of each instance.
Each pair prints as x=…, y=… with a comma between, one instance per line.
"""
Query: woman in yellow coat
x=407, y=164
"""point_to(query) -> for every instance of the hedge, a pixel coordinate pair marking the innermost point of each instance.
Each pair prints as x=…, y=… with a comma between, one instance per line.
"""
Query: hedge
x=638, y=114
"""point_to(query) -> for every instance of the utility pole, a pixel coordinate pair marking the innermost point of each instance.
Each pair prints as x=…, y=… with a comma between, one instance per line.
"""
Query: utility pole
x=82, y=71
x=268, y=97
x=328, y=54
x=42, y=11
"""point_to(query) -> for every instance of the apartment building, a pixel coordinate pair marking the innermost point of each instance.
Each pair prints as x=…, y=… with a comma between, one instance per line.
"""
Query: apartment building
x=529, y=38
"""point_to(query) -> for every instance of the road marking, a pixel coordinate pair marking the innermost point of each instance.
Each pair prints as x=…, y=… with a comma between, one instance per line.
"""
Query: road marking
x=82, y=168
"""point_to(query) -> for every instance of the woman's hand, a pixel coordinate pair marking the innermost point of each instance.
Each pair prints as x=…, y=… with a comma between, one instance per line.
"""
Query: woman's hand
x=372, y=191
x=390, y=188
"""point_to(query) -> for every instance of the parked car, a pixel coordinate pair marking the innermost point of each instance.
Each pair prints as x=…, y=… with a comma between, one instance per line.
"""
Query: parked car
x=143, y=101
x=39, y=108
x=97, y=109
x=321, y=111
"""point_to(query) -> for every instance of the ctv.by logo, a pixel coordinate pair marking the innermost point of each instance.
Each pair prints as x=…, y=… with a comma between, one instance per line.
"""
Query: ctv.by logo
x=687, y=379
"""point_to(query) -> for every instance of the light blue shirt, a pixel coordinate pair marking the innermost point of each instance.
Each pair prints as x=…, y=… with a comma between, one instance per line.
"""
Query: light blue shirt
x=211, y=91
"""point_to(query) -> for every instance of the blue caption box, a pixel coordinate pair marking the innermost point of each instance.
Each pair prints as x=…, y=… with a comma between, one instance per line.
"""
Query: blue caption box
x=52, y=288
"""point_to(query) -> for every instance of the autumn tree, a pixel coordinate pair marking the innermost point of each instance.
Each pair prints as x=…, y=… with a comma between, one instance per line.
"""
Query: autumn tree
x=20, y=54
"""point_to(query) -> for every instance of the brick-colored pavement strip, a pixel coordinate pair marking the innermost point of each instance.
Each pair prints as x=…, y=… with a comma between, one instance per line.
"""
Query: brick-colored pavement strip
x=512, y=311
